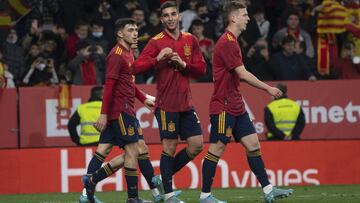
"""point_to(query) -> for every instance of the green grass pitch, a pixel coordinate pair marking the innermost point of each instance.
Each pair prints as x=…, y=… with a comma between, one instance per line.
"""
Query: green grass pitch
x=316, y=194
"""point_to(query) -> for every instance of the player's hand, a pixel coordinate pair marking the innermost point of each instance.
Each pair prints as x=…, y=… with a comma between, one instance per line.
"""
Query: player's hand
x=164, y=53
x=176, y=62
x=275, y=92
x=100, y=124
x=149, y=102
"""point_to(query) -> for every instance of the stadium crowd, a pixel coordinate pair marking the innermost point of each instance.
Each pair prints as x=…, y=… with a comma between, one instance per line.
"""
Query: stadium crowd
x=67, y=41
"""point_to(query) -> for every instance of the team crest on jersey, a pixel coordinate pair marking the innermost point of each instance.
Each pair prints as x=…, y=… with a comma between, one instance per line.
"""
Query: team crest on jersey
x=228, y=132
x=140, y=131
x=129, y=64
x=187, y=50
x=171, y=126
x=131, y=130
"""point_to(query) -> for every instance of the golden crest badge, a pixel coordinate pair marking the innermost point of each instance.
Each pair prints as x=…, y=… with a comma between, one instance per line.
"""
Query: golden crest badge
x=131, y=130
x=171, y=127
x=187, y=50
x=228, y=132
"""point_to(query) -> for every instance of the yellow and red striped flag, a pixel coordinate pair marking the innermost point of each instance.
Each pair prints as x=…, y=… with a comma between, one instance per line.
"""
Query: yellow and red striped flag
x=65, y=96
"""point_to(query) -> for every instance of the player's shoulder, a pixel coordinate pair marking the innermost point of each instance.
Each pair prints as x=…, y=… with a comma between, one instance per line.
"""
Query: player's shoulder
x=158, y=36
x=116, y=51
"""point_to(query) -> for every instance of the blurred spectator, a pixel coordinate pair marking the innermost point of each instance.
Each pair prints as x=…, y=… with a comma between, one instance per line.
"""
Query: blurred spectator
x=138, y=15
x=206, y=46
x=348, y=65
x=13, y=55
x=33, y=35
x=262, y=23
x=81, y=33
x=293, y=29
x=45, y=10
x=202, y=14
x=257, y=60
x=41, y=73
x=284, y=118
x=97, y=35
x=155, y=25
x=6, y=78
x=86, y=115
x=88, y=66
x=287, y=65
x=188, y=16
x=125, y=7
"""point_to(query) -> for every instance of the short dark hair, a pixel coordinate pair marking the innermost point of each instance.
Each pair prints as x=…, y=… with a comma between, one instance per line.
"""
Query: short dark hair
x=122, y=22
x=167, y=4
x=229, y=7
x=283, y=88
x=288, y=39
x=96, y=93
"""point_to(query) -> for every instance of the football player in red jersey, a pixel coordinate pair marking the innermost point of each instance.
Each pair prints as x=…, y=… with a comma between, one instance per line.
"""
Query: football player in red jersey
x=117, y=122
x=175, y=56
x=227, y=110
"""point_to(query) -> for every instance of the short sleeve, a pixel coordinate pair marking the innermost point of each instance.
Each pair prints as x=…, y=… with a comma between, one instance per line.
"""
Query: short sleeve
x=231, y=55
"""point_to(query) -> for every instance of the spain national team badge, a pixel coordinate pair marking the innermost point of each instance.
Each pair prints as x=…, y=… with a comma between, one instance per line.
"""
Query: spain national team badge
x=140, y=131
x=228, y=132
x=129, y=64
x=187, y=50
x=131, y=130
x=171, y=127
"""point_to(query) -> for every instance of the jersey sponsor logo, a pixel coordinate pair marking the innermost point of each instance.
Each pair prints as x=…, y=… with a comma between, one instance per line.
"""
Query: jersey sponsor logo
x=171, y=126
x=159, y=36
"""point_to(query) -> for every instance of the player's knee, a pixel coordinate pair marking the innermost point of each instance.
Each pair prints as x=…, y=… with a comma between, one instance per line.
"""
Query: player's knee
x=132, y=150
x=254, y=153
x=196, y=148
x=143, y=148
x=169, y=146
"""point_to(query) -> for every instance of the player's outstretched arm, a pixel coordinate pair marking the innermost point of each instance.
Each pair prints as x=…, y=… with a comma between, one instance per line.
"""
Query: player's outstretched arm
x=146, y=99
x=147, y=59
x=253, y=81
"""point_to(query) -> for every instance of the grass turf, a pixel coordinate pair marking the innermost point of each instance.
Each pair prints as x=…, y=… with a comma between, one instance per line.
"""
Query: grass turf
x=318, y=194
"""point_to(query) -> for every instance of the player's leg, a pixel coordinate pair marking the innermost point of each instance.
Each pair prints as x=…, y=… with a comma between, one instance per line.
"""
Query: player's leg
x=105, y=145
x=128, y=140
x=168, y=127
x=147, y=169
x=219, y=137
x=190, y=130
x=250, y=141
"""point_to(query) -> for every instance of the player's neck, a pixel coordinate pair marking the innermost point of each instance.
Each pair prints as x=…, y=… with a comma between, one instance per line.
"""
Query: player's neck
x=234, y=30
x=124, y=44
x=173, y=33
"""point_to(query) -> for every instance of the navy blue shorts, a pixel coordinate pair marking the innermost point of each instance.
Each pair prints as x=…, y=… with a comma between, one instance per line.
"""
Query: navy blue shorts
x=224, y=126
x=173, y=124
x=125, y=130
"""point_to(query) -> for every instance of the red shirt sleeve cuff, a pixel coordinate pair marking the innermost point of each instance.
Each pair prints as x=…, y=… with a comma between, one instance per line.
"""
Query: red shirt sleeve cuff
x=140, y=95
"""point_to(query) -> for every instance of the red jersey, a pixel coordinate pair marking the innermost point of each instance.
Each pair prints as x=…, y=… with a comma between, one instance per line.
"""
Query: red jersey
x=120, y=95
x=206, y=43
x=173, y=88
x=226, y=97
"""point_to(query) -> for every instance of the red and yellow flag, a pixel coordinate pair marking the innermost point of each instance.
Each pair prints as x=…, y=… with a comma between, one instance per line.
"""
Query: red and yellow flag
x=65, y=96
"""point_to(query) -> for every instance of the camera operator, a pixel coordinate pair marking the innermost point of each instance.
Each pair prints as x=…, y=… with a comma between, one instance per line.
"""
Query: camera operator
x=257, y=58
x=348, y=65
x=89, y=64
